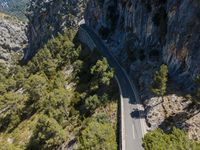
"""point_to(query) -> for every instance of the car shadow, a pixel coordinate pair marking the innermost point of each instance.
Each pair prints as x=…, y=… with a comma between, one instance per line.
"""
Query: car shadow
x=138, y=114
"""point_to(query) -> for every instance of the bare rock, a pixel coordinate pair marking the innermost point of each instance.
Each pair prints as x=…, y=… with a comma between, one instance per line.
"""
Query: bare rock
x=12, y=37
x=47, y=19
x=172, y=111
x=194, y=127
x=151, y=30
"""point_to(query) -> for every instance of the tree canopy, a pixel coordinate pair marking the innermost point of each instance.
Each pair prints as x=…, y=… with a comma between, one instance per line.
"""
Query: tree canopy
x=102, y=72
x=49, y=99
x=159, y=85
x=176, y=140
x=97, y=135
x=198, y=90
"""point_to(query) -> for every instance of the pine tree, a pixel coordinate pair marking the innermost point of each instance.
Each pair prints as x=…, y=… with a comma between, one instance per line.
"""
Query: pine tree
x=175, y=140
x=97, y=136
x=48, y=134
x=159, y=85
x=102, y=72
x=92, y=102
x=198, y=90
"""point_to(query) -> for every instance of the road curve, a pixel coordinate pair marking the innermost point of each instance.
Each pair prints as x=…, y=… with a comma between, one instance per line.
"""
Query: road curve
x=133, y=125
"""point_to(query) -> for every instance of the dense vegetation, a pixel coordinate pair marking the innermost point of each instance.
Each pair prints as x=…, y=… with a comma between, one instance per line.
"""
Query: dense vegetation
x=63, y=94
x=159, y=86
x=197, y=94
x=176, y=140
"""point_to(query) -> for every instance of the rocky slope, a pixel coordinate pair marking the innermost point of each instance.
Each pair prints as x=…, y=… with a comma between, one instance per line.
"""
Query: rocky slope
x=12, y=37
x=48, y=18
x=174, y=111
x=14, y=7
x=143, y=34
x=151, y=29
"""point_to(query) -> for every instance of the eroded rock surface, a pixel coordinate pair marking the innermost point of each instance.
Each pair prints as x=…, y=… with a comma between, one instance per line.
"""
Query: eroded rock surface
x=149, y=29
x=48, y=18
x=143, y=34
x=171, y=111
x=12, y=37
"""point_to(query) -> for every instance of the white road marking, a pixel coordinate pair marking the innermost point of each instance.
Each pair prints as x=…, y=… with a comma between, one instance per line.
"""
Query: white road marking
x=133, y=131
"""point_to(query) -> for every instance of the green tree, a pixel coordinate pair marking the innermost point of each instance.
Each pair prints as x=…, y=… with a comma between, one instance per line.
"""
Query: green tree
x=3, y=75
x=57, y=104
x=92, y=102
x=176, y=140
x=8, y=146
x=43, y=61
x=77, y=67
x=102, y=73
x=11, y=106
x=197, y=100
x=97, y=136
x=45, y=98
x=3, y=71
x=159, y=85
x=59, y=80
x=47, y=135
x=63, y=50
x=36, y=87
x=20, y=75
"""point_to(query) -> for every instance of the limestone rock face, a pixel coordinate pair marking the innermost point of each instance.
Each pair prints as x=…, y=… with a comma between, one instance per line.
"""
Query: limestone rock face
x=12, y=36
x=14, y=7
x=48, y=18
x=143, y=34
x=168, y=29
x=173, y=111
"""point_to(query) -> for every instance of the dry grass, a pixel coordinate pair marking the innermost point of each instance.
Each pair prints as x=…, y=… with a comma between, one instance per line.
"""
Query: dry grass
x=2, y=15
x=9, y=18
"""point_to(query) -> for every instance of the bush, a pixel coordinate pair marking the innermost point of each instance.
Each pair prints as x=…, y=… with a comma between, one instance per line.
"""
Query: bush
x=159, y=85
x=97, y=136
x=92, y=102
x=176, y=140
x=47, y=135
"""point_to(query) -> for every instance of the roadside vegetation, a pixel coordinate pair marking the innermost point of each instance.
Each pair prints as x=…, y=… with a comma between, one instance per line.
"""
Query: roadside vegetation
x=64, y=94
x=197, y=93
x=159, y=86
x=174, y=138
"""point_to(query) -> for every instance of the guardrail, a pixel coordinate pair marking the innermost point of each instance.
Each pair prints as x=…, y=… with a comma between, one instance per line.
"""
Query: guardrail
x=85, y=38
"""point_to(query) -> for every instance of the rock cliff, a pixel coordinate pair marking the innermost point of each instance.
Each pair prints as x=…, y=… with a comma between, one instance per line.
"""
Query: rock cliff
x=166, y=31
x=175, y=111
x=48, y=18
x=143, y=34
x=12, y=37
x=14, y=7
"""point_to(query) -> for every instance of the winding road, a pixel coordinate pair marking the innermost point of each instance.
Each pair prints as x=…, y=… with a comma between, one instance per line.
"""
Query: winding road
x=132, y=124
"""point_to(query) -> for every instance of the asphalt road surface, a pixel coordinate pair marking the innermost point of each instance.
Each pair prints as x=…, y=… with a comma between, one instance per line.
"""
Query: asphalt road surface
x=133, y=127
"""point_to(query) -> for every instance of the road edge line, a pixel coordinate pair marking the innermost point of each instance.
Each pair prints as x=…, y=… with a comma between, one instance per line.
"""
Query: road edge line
x=135, y=93
x=122, y=117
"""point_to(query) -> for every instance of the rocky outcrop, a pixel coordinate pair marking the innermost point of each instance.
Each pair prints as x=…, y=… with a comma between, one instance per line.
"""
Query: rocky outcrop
x=172, y=111
x=12, y=37
x=143, y=34
x=145, y=30
x=14, y=7
x=48, y=18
